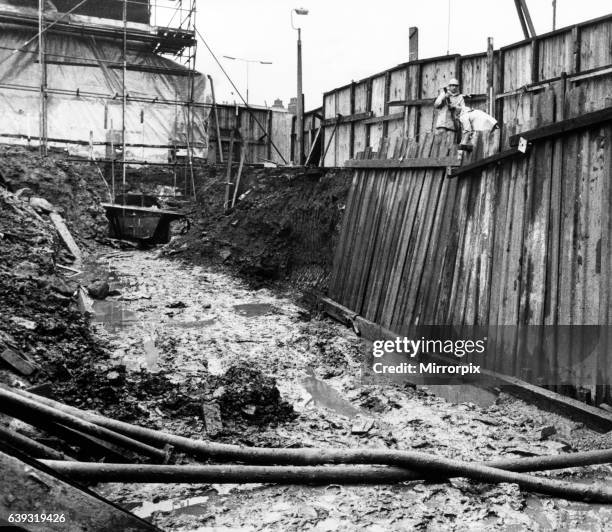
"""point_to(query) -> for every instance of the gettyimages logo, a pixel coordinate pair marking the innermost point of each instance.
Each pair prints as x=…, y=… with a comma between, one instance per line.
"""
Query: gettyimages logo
x=412, y=348
x=572, y=355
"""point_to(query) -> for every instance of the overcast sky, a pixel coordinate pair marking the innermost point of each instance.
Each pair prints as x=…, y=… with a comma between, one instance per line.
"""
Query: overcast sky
x=345, y=40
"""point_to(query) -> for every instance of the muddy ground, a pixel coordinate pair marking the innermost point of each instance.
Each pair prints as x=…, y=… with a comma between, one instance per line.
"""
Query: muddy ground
x=209, y=337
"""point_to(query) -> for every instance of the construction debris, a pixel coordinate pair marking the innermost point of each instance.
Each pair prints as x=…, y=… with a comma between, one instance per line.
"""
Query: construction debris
x=64, y=233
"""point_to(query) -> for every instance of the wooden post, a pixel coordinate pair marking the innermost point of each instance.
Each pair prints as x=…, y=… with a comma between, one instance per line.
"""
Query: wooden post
x=576, y=40
x=490, y=77
x=535, y=60
x=368, y=108
x=269, y=134
x=417, y=110
x=458, y=70
x=228, y=174
x=413, y=43
x=499, y=115
x=352, y=124
x=237, y=184
x=43, y=79
x=216, y=113
x=386, y=103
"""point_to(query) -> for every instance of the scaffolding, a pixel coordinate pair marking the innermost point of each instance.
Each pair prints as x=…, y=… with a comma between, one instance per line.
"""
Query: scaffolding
x=170, y=33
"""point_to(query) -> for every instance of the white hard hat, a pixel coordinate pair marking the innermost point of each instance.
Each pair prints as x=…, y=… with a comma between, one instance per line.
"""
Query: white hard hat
x=454, y=81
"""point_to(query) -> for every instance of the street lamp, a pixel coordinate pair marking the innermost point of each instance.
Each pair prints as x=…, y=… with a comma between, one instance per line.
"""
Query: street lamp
x=299, y=120
x=247, y=61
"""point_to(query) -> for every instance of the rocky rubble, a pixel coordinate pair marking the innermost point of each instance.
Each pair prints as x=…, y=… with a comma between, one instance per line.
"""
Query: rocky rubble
x=243, y=394
x=75, y=191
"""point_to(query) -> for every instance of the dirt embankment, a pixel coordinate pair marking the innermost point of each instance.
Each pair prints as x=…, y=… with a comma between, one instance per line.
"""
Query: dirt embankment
x=76, y=191
x=284, y=225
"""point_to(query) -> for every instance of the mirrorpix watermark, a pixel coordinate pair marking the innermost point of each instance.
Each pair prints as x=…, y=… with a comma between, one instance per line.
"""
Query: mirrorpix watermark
x=568, y=355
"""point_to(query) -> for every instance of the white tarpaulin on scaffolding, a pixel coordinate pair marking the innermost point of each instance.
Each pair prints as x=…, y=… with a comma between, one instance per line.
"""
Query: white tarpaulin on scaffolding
x=84, y=96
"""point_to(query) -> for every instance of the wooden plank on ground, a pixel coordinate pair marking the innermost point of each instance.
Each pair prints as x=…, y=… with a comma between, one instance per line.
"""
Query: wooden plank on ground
x=33, y=485
x=16, y=361
x=66, y=237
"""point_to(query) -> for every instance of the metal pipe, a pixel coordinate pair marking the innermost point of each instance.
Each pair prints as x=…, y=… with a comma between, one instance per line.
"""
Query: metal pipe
x=37, y=414
x=299, y=122
x=96, y=472
x=124, y=96
x=310, y=456
x=43, y=79
x=28, y=445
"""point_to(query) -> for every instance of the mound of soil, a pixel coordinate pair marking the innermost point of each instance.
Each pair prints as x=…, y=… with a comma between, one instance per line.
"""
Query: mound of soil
x=284, y=225
x=41, y=320
x=76, y=191
x=245, y=394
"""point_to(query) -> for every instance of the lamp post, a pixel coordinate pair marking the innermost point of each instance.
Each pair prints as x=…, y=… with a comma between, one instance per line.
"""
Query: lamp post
x=299, y=120
x=247, y=61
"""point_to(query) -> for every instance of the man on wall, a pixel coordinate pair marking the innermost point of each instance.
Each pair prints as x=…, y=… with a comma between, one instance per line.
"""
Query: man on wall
x=455, y=115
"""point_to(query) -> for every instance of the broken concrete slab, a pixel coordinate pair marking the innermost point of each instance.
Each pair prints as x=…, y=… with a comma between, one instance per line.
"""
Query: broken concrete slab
x=211, y=414
x=17, y=362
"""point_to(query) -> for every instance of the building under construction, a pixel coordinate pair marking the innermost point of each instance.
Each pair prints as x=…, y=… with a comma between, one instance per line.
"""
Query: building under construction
x=79, y=74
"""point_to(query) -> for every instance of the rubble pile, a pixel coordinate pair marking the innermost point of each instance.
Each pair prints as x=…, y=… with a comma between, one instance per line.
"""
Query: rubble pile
x=41, y=316
x=245, y=394
x=75, y=191
x=44, y=337
x=284, y=225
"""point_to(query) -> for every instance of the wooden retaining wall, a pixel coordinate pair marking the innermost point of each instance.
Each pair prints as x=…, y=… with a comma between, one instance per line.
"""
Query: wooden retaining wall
x=275, y=128
x=526, y=241
x=398, y=102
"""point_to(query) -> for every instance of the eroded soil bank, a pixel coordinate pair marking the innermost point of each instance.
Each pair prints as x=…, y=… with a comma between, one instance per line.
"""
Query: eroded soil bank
x=189, y=324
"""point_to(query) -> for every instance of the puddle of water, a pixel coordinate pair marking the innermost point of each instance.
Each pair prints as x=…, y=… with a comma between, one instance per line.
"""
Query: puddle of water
x=464, y=393
x=151, y=354
x=326, y=396
x=251, y=310
x=112, y=315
